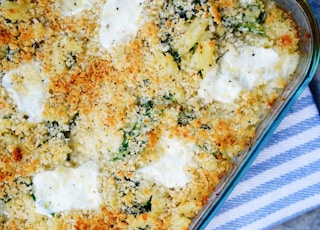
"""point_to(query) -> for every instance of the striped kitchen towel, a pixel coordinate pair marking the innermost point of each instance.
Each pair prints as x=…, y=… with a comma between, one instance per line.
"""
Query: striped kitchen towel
x=284, y=180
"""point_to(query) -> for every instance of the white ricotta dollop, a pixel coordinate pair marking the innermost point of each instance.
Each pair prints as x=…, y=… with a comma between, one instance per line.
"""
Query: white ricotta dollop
x=244, y=68
x=216, y=86
x=247, y=2
x=65, y=189
x=72, y=7
x=120, y=21
x=27, y=86
x=170, y=170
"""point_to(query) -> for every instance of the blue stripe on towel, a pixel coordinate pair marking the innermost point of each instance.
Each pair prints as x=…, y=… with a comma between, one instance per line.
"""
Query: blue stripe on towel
x=282, y=158
x=303, y=102
x=270, y=186
x=290, y=131
x=290, y=217
x=272, y=207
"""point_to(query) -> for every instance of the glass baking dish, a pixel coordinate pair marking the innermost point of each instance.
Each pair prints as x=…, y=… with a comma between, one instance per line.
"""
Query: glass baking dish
x=309, y=49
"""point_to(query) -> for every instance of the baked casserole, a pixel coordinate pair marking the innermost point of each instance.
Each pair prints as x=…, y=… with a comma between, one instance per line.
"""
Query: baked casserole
x=126, y=114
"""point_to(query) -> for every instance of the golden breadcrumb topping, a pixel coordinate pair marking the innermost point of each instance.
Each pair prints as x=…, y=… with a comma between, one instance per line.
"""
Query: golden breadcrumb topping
x=158, y=100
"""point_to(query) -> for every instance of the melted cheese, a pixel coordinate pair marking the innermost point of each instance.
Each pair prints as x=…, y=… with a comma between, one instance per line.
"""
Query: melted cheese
x=72, y=7
x=120, y=21
x=244, y=68
x=65, y=189
x=27, y=86
x=169, y=170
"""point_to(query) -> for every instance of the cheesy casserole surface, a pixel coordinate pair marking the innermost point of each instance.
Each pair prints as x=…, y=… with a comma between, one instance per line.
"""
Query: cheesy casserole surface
x=126, y=114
